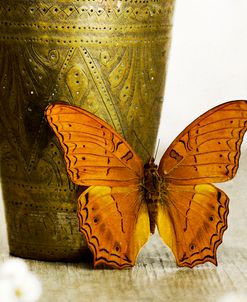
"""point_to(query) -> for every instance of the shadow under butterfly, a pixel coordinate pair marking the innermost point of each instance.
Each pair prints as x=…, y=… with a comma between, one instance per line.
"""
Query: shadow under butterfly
x=126, y=199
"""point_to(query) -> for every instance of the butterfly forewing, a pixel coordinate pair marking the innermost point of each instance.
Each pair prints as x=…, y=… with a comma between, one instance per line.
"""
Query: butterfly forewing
x=208, y=150
x=94, y=153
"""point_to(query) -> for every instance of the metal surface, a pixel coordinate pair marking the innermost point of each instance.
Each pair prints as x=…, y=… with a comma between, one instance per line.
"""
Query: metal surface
x=108, y=57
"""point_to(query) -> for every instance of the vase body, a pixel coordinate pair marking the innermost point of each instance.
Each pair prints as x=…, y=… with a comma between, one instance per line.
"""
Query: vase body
x=108, y=57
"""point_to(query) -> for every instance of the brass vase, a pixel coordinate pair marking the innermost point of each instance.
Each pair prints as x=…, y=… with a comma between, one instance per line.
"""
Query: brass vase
x=107, y=56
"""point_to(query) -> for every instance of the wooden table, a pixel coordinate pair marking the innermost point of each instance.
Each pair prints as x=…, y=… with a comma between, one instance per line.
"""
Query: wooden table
x=155, y=276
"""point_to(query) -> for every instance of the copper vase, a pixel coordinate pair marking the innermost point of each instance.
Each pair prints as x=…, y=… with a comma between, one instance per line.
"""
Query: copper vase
x=107, y=56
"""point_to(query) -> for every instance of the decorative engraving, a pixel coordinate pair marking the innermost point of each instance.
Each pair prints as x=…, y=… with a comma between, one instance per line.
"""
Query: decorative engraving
x=108, y=57
x=77, y=82
x=91, y=22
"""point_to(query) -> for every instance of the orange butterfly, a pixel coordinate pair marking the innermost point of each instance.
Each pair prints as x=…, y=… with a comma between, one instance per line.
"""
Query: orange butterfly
x=126, y=199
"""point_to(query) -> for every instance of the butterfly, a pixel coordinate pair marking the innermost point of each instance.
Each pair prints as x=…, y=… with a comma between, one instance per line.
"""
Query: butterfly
x=125, y=200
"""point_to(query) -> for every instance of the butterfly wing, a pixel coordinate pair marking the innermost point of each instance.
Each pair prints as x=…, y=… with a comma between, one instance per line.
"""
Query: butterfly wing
x=115, y=223
x=193, y=216
x=111, y=213
x=94, y=152
x=208, y=150
x=192, y=222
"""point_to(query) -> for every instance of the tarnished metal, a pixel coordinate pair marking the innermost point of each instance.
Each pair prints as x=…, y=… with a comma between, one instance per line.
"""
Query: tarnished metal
x=108, y=57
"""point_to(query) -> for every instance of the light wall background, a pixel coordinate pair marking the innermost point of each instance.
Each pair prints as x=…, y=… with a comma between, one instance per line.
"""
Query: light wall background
x=207, y=63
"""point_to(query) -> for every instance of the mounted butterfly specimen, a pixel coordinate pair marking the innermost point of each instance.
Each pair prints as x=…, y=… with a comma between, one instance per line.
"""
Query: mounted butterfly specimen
x=126, y=199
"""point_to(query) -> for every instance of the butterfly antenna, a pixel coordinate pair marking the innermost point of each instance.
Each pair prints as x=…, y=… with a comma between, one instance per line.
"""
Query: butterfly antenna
x=143, y=146
x=157, y=149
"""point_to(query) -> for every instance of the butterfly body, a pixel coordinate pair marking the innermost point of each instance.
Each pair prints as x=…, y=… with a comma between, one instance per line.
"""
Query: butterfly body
x=125, y=199
x=152, y=191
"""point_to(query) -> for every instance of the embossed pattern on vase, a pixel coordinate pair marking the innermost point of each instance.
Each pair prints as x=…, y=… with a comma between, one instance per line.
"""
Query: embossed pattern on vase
x=108, y=57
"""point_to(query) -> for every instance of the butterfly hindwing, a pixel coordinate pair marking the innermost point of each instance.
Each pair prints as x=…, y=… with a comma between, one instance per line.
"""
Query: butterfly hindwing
x=208, y=150
x=115, y=223
x=94, y=152
x=192, y=222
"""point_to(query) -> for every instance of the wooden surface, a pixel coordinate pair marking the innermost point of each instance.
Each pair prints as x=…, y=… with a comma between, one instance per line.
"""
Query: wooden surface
x=155, y=276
